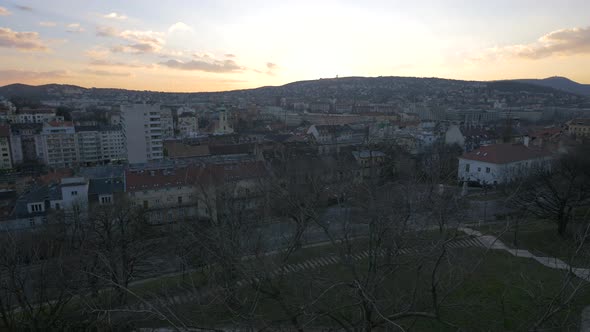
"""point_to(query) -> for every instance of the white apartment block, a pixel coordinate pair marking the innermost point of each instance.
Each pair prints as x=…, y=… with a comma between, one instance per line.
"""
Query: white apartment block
x=142, y=129
x=57, y=146
x=36, y=116
x=100, y=144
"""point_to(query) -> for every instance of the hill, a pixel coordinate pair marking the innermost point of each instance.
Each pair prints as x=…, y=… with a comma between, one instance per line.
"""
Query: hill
x=561, y=83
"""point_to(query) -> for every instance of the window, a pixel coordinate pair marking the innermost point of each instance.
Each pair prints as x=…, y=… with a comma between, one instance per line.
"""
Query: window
x=467, y=167
x=179, y=199
x=106, y=199
x=145, y=204
x=479, y=169
x=37, y=207
x=74, y=193
x=57, y=206
x=487, y=170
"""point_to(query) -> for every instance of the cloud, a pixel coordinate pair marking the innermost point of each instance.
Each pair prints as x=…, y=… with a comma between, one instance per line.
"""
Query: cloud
x=4, y=12
x=22, y=41
x=22, y=75
x=271, y=65
x=47, y=24
x=106, y=31
x=24, y=8
x=75, y=28
x=213, y=66
x=564, y=42
x=180, y=27
x=115, y=16
x=105, y=73
x=140, y=42
x=109, y=63
x=229, y=55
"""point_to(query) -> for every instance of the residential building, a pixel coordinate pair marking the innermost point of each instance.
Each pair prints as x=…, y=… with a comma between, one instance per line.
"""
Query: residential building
x=56, y=145
x=100, y=144
x=5, y=149
x=167, y=120
x=188, y=125
x=502, y=163
x=40, y=115
x=169, y=194
x=579, y=127
x=142, y=129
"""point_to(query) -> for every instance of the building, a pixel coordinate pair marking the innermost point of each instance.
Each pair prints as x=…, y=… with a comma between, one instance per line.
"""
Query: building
x=330, y=138
x=142, y=129
x=579, y=127
x=167, y=119
x=224, y=126
x=57, y=146
x=40, y=115
x=169, y=194
x=100, y=144
x=5, y=148
x=23, y=142
x=502, y=163
x=188, y=125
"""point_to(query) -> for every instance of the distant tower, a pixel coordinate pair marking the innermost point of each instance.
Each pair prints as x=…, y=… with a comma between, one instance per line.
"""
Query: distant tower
x=223, y=126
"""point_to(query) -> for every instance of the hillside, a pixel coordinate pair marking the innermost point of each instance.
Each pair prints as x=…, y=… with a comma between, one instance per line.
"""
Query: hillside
x=561, y=83
x=345, y=89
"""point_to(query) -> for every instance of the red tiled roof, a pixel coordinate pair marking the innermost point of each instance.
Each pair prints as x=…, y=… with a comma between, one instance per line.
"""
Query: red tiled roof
x=162, y=178
x=505, y=153
x=191, y=175
x=182, y=150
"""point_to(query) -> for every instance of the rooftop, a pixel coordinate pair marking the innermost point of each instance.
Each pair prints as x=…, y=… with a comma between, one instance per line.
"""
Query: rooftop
x=505, y=153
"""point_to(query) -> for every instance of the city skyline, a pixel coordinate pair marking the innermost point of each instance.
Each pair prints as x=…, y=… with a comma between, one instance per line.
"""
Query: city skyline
x=227, y=45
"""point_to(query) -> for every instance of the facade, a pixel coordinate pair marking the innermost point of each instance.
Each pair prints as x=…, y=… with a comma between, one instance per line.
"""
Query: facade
x=36, y=116
x=188, y=125
x=5, y=149
x=100, y=144
x=502, y=163
x=57, y=146
x=170, y=194
x=224, y=126
x=167, y=119
x=142, y=130
x=579, y=127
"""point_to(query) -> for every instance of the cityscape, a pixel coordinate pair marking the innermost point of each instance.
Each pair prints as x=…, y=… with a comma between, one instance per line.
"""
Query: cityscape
x=255, y=197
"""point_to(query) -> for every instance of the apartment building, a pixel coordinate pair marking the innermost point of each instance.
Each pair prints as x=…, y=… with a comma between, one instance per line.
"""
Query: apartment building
x=57, y=146
x=100, y=144
x=142, y=129
x=5, y=153
x=188, y=125
x=41, y=115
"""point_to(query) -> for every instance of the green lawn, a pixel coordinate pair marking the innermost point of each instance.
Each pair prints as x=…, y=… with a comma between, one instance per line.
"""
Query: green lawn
x=491, y=292
x=540, y=237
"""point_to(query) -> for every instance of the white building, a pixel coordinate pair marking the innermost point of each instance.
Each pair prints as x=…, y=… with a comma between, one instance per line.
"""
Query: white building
x=56, y=145
x=502, y=163
x=142, y=129
x=188, y=125
x=224, y=126
x=100, y=144
x=36, y=116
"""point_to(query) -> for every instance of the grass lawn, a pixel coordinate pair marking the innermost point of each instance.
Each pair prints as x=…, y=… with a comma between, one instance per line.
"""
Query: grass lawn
x=540, y=237
x=491, y=292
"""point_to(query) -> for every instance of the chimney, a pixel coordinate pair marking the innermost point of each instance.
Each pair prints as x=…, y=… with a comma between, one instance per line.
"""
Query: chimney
x=526, y=141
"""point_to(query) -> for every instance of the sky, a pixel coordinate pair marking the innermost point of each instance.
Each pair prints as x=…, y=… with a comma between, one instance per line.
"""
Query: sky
x=214, y=45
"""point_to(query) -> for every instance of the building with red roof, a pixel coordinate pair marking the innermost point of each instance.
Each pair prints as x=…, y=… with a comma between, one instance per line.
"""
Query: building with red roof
x=502, y=163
